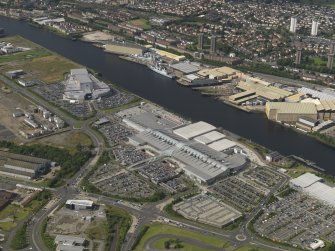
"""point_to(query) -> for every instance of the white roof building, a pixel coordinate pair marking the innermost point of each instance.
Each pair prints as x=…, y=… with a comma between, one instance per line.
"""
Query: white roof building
x=222, y=145
x=192, y=130
x=81, y=203
x=209, y=137
x=305, y=180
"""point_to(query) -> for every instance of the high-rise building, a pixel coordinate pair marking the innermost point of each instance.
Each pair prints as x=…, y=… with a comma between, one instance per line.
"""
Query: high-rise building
x=201, y=41
x=315, y=27
x=298, y=56
x=213, y=44
x=293, y=25
x=330, y=61
x=332, y=48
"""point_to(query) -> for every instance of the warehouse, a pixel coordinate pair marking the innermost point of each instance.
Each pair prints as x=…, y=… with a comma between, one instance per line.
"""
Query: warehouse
x=290, y=112
x=199, y=162
x=225, y=145
x=79, y=204
x=22, y=166
x=192, y=130
x=326, y=109
x=267, y=92
x=241, y=97
x=316, y=94
x=306, y=124
x=80, y=85
x=69, y=248
x=219, y=73
x=210, y=137
x=184, y=68
x=305, y=180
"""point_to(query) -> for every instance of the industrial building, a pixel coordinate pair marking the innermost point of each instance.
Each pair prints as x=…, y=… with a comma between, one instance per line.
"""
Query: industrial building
x=219, y=73
x=184, y=68
x=290, y=112
x=263, y=89
x=210, y=137
x=22, y=166
x=316, y=94
x=80, y=85
x=192, y=130
x=79, y=204
x=326, y=109
x=199, y=161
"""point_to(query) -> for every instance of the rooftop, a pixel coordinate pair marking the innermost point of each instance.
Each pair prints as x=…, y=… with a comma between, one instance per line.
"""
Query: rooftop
x=297, y=108
x=222, y=145
x=305, y=180
x=209, y=137
x=193, y=130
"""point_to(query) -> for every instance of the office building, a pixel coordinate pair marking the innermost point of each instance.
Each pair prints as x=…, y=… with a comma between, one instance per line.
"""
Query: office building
x=293, y=25
x=315, y=27
x=201, y=41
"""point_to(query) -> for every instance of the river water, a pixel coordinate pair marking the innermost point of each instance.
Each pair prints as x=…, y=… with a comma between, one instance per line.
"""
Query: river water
x=167, y=93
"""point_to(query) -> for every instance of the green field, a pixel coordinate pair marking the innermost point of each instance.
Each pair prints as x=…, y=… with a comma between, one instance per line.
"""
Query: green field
x=185, y=246
x=141, y=23
x=157, y=229
x=38, y=62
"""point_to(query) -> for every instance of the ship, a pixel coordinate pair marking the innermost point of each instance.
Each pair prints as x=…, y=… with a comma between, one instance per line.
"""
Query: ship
x=161, y=70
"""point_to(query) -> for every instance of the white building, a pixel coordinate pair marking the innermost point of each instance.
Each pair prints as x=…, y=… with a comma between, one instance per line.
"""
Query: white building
x=79, y=204
x=293, y=25
x=315, y=27
x=81, y=85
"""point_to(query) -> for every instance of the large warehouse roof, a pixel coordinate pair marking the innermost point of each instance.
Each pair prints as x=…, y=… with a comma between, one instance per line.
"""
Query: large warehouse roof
x=297, y=108
x=267, y=92
x=192, y=130
x=322, y=192
x=185, y=67
x=222, y=145
x=316, y=94
x=209, y=137
x=305, y=180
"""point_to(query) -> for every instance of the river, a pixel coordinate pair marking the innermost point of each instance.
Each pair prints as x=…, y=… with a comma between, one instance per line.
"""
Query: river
x=167, y=93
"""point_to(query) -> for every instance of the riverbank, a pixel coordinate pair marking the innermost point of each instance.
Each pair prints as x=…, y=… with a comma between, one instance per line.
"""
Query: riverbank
x=180, y=100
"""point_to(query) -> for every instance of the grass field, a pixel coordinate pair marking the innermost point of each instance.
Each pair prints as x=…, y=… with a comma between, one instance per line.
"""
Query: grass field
x=319, y=61
x=68, y=140
x=7, y=226
x=157, y=229
x=38, y=63
x=185, y=246
x=141, y=23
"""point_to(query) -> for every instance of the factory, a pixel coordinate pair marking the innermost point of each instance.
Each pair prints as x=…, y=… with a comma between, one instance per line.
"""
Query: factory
x=22, y=166
x=79, y=204
x=187, y=145
x=251, y=87
x=290, y=112
x=80, y=85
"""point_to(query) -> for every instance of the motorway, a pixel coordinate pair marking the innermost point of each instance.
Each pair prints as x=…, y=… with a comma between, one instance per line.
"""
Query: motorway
x=145, y=214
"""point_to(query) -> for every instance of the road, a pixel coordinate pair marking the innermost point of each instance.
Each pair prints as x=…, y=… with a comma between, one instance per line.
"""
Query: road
x=144, y=213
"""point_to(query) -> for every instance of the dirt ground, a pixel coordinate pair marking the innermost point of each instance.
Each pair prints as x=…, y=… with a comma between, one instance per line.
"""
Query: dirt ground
x=8, y=103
